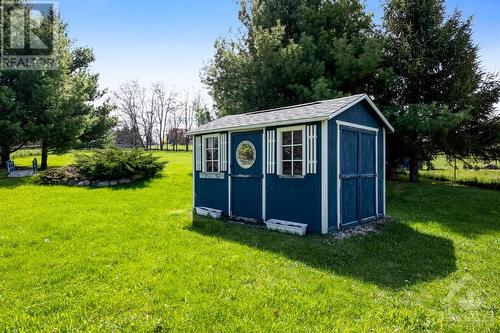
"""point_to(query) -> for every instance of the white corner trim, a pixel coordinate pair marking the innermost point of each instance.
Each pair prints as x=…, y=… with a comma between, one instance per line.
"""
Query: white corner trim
x=337, y=180
x=324, y=177
x=376, y=175
x=368, y=99
x=264, y=154
x=229, y=170
x=353, y=125
x=383, y=171
x=194, y=174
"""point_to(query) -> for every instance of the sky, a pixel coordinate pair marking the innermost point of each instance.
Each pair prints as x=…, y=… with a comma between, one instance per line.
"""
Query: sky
x=171, y=40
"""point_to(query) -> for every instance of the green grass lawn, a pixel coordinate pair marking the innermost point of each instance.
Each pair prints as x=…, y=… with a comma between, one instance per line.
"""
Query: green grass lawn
x=132, y=259
x=444, y=170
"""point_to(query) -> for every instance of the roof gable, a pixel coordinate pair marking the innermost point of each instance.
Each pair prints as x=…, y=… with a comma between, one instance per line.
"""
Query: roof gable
x=315, y=111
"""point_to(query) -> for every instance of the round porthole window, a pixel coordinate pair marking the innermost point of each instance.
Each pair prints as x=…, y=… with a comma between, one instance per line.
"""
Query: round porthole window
x=246, y=154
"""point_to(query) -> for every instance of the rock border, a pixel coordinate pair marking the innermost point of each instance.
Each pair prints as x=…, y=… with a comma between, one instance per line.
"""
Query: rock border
x=363, y=229
x=90, y=183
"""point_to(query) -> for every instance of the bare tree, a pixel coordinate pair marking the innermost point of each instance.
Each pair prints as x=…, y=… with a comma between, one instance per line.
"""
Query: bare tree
x=137, y=112
x=165, y=102
x=128, y=100
x=147, y=118
x=175, y=120
x=159, y=114
x=191, y=107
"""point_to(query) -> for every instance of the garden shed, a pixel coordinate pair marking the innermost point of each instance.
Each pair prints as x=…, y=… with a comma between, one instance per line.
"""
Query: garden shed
x=320, y=164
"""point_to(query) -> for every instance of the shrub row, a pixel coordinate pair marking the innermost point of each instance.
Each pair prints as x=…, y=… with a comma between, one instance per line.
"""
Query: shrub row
x=109, y=164
x=114, y=163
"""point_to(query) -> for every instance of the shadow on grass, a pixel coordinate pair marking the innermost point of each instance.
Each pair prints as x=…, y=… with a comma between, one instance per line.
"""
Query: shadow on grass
x=395, y=257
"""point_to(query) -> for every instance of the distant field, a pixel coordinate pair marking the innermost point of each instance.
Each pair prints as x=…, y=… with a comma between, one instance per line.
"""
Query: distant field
x=25, y=153
x=444, y=171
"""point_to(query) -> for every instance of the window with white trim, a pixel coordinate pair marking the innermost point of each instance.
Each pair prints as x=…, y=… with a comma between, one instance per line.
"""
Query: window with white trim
x=291, y=151
x=211, y=160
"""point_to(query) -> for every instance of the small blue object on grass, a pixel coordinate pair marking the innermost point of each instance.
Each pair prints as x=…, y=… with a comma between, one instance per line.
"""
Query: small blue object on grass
x=10, y=167
x=13, y=173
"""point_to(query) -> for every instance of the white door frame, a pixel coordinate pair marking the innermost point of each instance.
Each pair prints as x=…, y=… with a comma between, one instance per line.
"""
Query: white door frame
x=366, y=128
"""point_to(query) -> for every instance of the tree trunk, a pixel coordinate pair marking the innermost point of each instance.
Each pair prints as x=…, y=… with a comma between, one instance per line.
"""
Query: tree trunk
x=455, y=171
x=413, y=170
x=45, y=155
x=4, y=156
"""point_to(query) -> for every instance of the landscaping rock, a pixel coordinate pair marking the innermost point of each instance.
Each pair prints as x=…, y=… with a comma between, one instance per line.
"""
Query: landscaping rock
x=86, y=182
x=137, y=177
x=113, y=183
x=94, y=183
x=80, y=184
x=125, y=181
x=103, y=183
x=360, y=230
x=72, y=182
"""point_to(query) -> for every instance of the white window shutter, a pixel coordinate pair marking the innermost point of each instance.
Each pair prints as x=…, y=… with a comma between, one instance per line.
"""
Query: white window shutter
x=311, y=154
x=271, y=151
x=199, y=161
x=223, y=152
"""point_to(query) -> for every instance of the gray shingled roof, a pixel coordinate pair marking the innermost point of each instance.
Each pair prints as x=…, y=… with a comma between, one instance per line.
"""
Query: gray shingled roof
x=287, y=115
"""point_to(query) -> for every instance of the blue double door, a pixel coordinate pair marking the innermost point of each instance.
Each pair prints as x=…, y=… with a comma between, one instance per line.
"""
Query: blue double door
x=358, y=175
x=246, y=176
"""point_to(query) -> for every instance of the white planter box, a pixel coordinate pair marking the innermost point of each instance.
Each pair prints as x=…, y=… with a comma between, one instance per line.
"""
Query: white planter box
x=286, y=226
x=209, y=212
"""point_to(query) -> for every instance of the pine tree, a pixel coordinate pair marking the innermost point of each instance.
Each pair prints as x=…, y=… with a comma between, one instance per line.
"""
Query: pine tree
x=53, y=107
x=440, y=96
x=295, y=51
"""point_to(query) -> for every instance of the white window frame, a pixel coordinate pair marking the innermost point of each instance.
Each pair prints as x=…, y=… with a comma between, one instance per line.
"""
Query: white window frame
x=279, y=149
x=204, y=152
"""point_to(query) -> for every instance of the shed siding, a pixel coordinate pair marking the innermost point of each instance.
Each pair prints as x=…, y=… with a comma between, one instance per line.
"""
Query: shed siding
x=361, y=114
x=296, y=199
x=299, y=199
x=212, y=193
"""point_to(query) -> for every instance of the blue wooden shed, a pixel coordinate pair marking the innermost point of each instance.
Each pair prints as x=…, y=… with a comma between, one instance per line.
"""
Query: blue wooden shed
x=321, y=164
